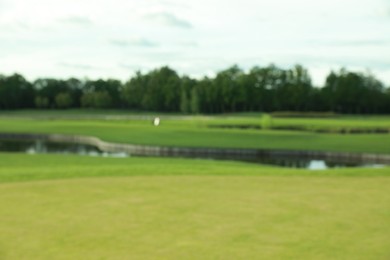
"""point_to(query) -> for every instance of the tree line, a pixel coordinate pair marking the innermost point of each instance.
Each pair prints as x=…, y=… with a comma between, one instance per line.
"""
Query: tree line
x=267, y=89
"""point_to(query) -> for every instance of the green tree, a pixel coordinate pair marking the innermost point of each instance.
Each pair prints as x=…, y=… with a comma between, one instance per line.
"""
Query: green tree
x=184, y=102
x=75, y=89
x=107, y=93
x=63, y=100
x=99, y=99
x=195, y=109
x=297, y=89
x=49, y=89
x=133, y=91
x=102, y=99
x=41, y=102
x=351, y=92
x=87, y=100
x=16, y=92
x=187, y=84
x=228, y=82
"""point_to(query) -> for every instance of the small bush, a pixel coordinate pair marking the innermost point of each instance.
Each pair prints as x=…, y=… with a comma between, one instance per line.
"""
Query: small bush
x=266, y=121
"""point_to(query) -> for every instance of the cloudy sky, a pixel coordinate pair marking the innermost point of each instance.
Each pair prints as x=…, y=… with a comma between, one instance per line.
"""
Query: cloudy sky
x=115, y=38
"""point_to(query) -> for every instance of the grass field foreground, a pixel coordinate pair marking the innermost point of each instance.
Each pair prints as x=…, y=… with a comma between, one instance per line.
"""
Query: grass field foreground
x=80, y=207
x=73, y=207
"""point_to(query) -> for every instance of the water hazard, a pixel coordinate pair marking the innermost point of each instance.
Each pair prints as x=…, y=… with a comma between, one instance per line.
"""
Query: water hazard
x=43, y=146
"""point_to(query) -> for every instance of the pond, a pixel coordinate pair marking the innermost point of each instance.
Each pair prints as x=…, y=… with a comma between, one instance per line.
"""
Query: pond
x=43, y=146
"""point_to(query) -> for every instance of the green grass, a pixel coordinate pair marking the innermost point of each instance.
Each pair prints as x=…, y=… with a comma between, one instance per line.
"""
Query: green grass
x=195, y=133
x=80, y=113
x=70, y=207
x=20, y=167
x=250, y=118
x=79, y=207
x=332, y=124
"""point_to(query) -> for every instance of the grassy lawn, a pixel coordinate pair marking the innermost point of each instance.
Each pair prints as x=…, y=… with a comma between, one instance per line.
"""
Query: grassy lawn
x=191, y=133
x=331, y=121
x=308, y=123
x=80, y=207
x=70, y=207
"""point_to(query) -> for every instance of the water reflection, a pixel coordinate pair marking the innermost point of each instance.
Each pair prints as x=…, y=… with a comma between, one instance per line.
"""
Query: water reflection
x=41, y=146
x=314, y=163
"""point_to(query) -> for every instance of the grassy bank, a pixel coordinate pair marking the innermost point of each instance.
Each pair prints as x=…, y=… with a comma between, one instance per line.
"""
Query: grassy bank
x=70, y=207
x=195, y=133
x=16, y=167
x=80, y=207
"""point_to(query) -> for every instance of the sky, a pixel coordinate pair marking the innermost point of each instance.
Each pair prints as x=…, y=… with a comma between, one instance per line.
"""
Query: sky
x=116, y=38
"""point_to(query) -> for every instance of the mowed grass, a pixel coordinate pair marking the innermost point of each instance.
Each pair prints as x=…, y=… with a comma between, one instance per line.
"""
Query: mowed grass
x=323, y=121
x=78, y=207
x=330, y=124
x=190, y=132
x=70, y=207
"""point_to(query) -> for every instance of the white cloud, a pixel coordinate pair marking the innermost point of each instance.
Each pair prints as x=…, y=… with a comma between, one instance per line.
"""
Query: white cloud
x=214, y=34
x=77, y=20
x=77, y=66
x=168, y=19
x=137, y=42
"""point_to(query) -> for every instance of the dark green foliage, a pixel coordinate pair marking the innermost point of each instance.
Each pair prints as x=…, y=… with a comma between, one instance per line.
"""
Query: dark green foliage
x=265, y=89
x=47, y=90
x=184, y=102
x=63, y=100
x=102, y=94
x=16, y=92
x=349, y=92
x=41, y=102
x=194, y=105
x=53, y=93
x=159, y=90
x=102, y=99
x=133, y=91
x=98, y=99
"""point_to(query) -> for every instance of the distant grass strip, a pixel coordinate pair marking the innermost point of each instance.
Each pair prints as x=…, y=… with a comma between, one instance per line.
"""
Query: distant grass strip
x=194, y=133
x=22, y=167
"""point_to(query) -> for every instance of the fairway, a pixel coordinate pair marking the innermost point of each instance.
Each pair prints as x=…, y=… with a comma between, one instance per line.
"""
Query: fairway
x=81, y=207
x=188, y=131
x=75, y=207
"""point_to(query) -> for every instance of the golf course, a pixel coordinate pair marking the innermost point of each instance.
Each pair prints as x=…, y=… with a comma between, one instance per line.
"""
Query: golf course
x=68, y=206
